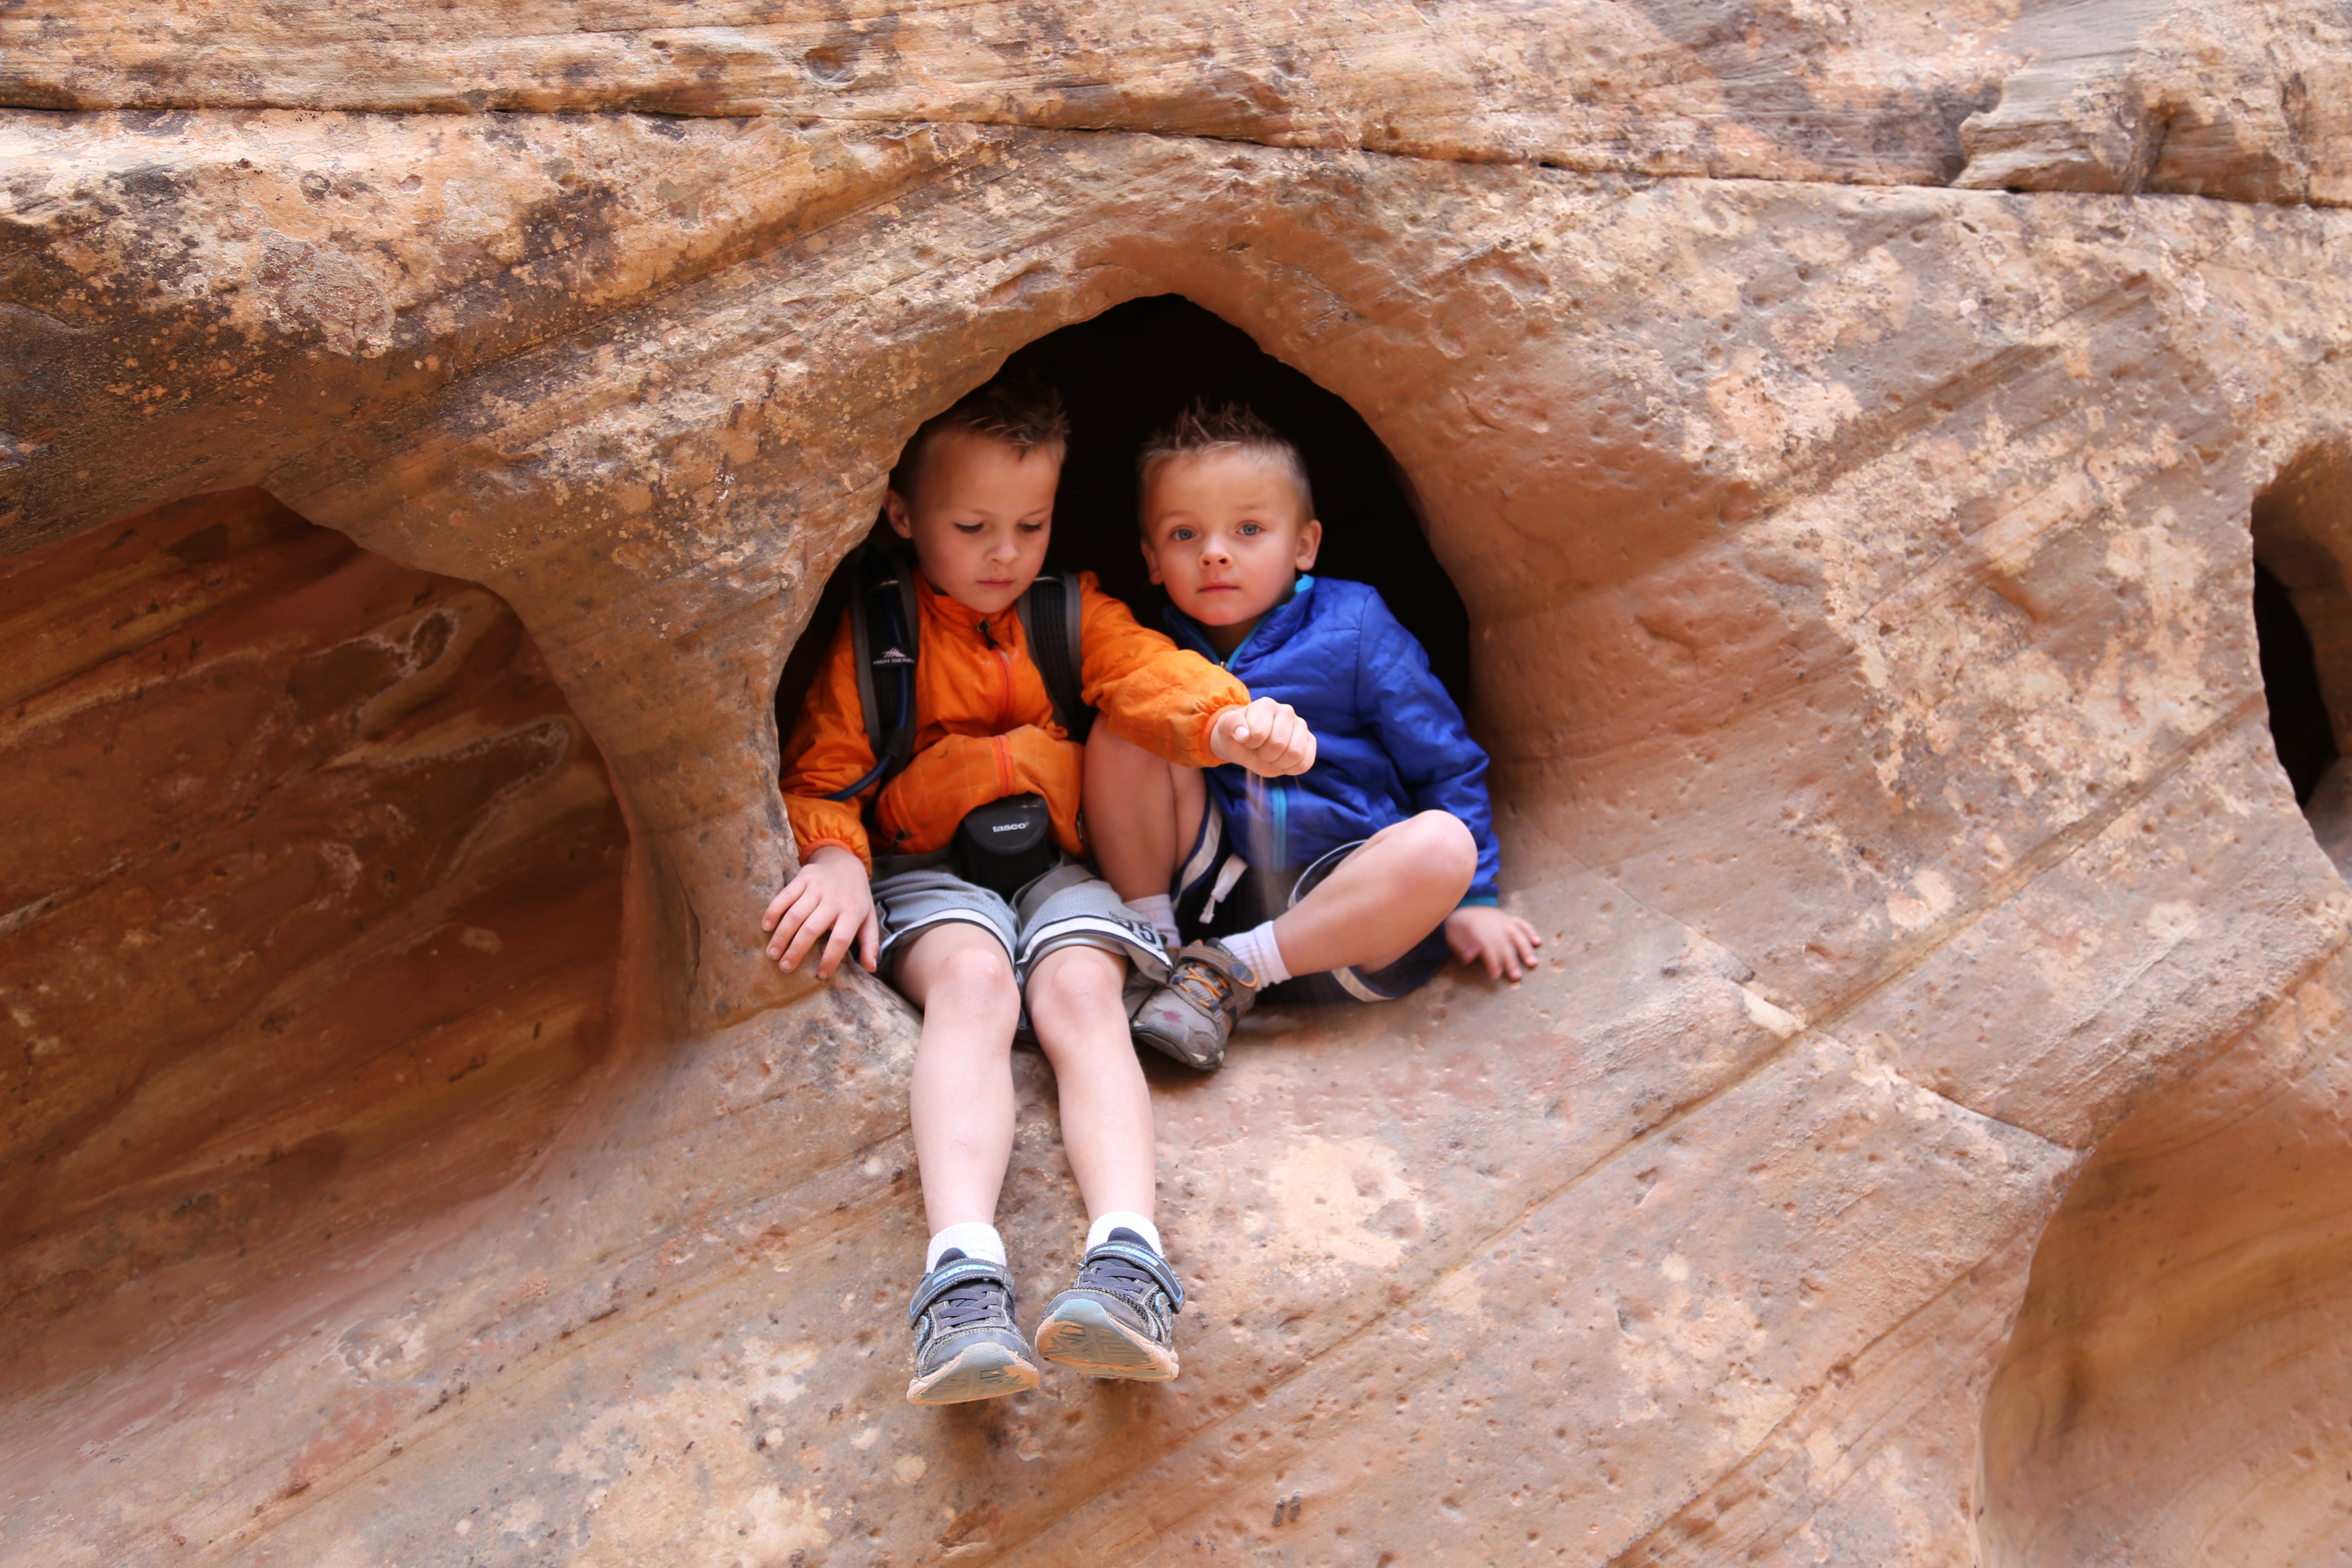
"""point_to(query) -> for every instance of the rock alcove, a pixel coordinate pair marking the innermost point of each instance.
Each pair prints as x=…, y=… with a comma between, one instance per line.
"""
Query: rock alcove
x=313, y=929
x=1841, y=438
x=2193, y=1290
x=1123, y=374
x=2302, y=527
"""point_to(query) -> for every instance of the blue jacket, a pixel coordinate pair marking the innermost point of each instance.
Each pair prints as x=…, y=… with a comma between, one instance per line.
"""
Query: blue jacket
x=1389, y=740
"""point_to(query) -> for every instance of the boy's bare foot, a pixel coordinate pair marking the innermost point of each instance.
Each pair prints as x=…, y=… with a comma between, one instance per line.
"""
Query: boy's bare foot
x=1119, y=1320
x=967, y=1345
x=1193, y=1015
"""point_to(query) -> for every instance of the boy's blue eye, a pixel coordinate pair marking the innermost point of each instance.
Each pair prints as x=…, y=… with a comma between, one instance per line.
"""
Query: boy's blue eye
x=1178, y=535
x=1250, y=528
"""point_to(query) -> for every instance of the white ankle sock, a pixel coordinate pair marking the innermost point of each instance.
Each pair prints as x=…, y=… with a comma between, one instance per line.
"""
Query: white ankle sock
x=1161, y=911
x=1099, y=1232
x=1257, y=948
x=977, y=1240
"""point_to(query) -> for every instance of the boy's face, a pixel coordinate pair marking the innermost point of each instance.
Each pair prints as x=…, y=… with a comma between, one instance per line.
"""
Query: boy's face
x=979, y=518
x=1227, y=535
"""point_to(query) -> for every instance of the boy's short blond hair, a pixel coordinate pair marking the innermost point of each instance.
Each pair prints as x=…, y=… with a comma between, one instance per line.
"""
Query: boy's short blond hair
x=1026, y=416
x=1207, y=427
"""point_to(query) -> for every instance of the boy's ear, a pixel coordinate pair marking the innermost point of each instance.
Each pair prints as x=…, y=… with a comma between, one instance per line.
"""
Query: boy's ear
x=894, y=507
x=1310, y=540
x=1151, y=559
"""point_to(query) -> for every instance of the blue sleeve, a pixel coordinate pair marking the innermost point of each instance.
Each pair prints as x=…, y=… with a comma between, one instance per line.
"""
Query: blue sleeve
x=1423, y=733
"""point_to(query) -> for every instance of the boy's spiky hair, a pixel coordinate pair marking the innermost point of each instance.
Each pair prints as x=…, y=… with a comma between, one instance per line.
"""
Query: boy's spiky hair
x=1206, y=427
x=1026, y=416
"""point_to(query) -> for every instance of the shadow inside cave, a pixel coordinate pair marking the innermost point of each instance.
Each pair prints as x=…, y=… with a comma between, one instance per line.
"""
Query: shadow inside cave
x=2301, y=528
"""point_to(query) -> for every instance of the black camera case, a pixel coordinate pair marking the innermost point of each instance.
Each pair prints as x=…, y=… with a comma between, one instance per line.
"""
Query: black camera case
x=1005, y=844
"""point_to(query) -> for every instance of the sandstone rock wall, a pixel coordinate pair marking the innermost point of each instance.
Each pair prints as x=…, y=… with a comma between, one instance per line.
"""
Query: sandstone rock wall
x=314, y=902
x=1863, y=548
x=2175, y=1388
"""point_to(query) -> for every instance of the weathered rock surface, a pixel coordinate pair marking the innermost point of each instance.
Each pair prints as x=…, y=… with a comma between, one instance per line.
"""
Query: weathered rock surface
x=313, y=898
x=1858, y=567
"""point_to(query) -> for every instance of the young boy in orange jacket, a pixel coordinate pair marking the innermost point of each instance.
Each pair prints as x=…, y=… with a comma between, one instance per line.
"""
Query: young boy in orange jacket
x=974, y=496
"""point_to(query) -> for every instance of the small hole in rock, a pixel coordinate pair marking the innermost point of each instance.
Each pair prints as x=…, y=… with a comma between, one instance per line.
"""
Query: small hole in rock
x=2300, y=727
x=2302, y=611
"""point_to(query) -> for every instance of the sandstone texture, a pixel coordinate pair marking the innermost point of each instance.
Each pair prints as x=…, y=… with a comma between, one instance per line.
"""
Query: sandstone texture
x=425, y=434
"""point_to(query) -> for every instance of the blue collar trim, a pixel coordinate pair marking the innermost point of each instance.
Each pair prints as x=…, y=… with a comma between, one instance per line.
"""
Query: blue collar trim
x=1190, y=631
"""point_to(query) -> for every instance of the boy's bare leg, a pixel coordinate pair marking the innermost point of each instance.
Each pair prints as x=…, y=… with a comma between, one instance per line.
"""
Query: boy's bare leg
x=967, y=1343
x=1383, y=898
x=1077, y=1008
x=1142, y=814
x=960, y=976
x=1117, y=1317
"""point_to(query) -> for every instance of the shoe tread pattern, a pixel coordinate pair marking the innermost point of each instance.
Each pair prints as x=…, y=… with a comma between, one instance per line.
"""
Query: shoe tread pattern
x=978, y=1371
x=1082, y=1335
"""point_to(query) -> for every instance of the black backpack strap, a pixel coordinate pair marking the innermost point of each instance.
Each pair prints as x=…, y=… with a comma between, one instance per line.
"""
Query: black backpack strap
x=1051, y=621
x=885, y=635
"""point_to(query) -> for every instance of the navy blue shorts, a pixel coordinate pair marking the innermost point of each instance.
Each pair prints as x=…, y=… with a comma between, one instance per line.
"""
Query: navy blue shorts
x=1218, y=894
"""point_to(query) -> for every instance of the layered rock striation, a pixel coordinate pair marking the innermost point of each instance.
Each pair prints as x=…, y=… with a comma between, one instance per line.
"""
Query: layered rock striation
x=1851, y=437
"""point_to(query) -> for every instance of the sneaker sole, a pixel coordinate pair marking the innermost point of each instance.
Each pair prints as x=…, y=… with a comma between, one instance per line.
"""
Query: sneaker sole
x=1085, y=1337
x=982, y=1372
x=1198, y=1062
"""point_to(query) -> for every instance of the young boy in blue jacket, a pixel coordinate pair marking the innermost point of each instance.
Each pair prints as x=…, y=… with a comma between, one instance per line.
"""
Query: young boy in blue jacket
x=1351, y=881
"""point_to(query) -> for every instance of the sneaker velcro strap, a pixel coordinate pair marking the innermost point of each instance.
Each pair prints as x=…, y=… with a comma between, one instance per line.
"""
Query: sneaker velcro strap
x=1228, y=964
x=1151, y=1263
x=1212, y=990
x=948, y=1276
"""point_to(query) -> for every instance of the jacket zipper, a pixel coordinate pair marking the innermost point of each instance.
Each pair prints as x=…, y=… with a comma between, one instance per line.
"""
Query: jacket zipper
x=1281, y=793
x=1004, y=712
x=1003, y=676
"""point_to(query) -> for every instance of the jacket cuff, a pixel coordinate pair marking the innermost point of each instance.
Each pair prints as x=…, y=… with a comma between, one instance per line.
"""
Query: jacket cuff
x=1203, y=756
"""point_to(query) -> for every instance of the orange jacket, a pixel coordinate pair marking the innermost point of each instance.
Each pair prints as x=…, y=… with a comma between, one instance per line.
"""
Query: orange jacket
x=985, y=726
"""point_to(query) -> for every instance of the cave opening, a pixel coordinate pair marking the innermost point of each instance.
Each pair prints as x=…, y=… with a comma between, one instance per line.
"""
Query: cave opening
x=2300, y=729
x=1130, y=370
x=1126, y=372
x=2302, y=535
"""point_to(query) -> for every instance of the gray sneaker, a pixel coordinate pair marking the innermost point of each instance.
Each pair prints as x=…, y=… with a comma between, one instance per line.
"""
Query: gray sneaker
x=1118, y=1320
x=1193, y=1015
x=967, y=1345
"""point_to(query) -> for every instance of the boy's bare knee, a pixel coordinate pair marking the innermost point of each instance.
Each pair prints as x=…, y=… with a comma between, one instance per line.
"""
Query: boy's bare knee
x=1077, y=980
x=1444, y=850
x=979, y=968
x=1451, y=840
x=963, y=969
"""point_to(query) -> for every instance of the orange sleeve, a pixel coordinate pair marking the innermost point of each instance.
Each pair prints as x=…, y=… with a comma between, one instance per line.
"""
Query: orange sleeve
x=1150, y=692
x=829, y=752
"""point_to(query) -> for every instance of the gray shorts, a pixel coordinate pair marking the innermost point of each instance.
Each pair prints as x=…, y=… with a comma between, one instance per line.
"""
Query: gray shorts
x=1067, y=907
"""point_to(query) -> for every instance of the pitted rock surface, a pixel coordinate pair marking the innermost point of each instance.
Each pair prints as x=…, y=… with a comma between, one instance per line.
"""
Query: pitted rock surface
x=424, y=436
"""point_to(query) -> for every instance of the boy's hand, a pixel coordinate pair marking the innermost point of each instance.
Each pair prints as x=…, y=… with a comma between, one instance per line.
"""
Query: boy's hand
x=1267, y=737
x=829, y=893
x=1481, y=933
